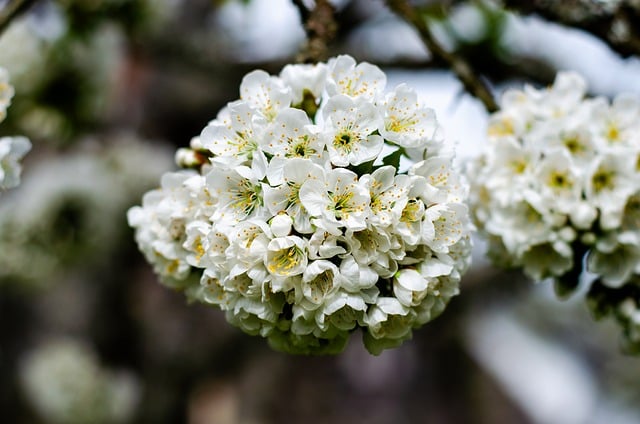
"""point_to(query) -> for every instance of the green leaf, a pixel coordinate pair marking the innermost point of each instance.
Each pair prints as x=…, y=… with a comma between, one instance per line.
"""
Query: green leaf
x=363, y=168
x=308, y=104
x=393, y=159
x=565, y=286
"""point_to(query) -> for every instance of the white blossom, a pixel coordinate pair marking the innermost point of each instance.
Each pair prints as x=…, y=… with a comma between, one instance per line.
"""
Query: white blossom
x=233, y=140
x=6, y=93
x=559, y=180
x=295, y=220
x=354, y=80
x=162, y=220
x=283, y=192
x=301, y=78
x=406, y=122
x=341, y=200
x=349, y=131
x=266, y=94
x=292, y=136
x=628, y=312
x=66, y=384
x=72, y=201
x=286, y=256
x=239, y=192
x=12, y=150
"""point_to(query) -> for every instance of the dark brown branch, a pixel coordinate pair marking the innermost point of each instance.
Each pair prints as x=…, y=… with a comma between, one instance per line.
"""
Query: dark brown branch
x=13, y=9
x=302, y=9
x=456, y=63
x=321, y=29
x=618, y=26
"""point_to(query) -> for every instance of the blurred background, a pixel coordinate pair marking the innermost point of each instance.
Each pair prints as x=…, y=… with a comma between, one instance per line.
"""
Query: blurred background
x=106, y=90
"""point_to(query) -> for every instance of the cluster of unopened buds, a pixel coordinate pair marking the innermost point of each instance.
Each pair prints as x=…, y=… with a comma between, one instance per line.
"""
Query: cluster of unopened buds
x=292, y=214
x=559, y=181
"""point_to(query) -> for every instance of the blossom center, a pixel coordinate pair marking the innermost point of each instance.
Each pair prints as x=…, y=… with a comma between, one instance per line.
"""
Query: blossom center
x=341, y=204
x=244, y=145
x=321, y=285
x=399, y=124
x=501, y=128
x=603, y=180
x=410, y=213
x=559, y=180
x=613, y=133
x=344, y=142
x=246, y=197
x=286, y=261
x=519, y=166
x=573, y=145
x=300, y=148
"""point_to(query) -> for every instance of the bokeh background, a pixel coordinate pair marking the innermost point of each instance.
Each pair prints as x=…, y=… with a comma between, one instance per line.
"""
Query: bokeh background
x=106, y=90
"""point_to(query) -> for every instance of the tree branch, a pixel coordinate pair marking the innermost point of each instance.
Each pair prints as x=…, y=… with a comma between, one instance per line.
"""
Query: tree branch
x=302, y=9
x=321, y=29
x=618, y=26
x=13, y=9
x=457, y=64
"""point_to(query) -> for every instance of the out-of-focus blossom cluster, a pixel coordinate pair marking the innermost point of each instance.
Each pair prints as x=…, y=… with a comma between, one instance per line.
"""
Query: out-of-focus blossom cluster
x=64, y=82
x=66, y=384
x=70, y=64
x=560, y=179
x=69, y=210
x=622, y=304
x=134, y=15
x=295, y=220
x=12, y=149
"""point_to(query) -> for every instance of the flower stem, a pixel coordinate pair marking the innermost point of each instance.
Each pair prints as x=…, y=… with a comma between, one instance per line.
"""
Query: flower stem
x=566, y=284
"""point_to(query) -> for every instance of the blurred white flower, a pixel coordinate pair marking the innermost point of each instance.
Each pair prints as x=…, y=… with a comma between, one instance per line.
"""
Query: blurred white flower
x=6, y=93
x=66, y=384
x=73, y=202
x=629, y=312
x=23, y=53
x=299, y=227
x=12, y=150
x=558, y=180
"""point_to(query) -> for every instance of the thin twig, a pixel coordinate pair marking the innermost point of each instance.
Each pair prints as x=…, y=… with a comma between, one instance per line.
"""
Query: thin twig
x=13, y=9
x=321, y=29
x=458, y=65
x=302, y=9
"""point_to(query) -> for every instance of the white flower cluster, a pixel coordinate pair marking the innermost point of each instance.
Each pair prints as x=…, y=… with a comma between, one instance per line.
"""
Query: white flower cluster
x=560, y=178
x=73, y=202
x=23, y=53
x=66, y=384
x=294, y=220
x=12, y=149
